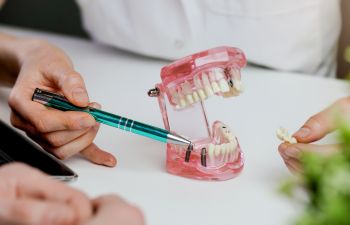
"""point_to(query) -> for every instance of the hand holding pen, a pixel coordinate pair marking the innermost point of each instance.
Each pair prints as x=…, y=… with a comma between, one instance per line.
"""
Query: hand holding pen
x=61, y=133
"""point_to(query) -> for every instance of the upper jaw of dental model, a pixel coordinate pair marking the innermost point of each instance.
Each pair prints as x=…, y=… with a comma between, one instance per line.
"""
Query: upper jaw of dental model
x=225, y=82
x=196, y=77
x=224, y=147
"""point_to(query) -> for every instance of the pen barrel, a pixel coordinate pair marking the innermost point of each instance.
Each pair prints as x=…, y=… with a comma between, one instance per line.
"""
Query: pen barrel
x=130, y=125
x=123, y=123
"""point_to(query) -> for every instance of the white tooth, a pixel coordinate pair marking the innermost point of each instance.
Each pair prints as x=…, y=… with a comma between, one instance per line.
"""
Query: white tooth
x=231, y=152
x=213, y=83
x=224, y=85
x=219, y=74
x=234, y=144
x=182, y=102
x=237, y=84
x=207, y=86
x=211, y=151
x=195, y=96
x=235, y=74
x=189, y=99
x=174, y=97
x=197, y=82
x=217, y=150
x=202, y=95
x=186, y=88
x=199, y=87
x=225, y=152
x=279, y=134
x=293, y=140
x=215, y=87
x=284, y=136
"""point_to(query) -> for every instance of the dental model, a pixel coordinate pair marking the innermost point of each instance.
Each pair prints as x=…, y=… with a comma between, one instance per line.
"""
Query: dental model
x=186, y=84
x=284, y=136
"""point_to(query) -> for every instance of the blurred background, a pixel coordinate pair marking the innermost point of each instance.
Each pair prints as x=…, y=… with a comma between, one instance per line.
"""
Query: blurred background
x=63, y=16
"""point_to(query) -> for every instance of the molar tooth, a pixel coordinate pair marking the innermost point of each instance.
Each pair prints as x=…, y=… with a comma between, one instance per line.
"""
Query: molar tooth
x=207, y=85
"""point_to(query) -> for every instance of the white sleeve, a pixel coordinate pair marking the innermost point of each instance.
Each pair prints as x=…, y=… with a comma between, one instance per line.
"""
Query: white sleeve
x=292, y=35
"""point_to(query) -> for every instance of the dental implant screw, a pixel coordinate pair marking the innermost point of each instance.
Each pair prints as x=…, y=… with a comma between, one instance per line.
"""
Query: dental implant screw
x=154, y=92
x=188, y=153
x=204, y=157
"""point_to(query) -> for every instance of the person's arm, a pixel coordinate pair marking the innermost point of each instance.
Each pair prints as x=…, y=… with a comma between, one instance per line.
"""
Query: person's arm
x=31, y=63
x=314, y=129
x=9, y=67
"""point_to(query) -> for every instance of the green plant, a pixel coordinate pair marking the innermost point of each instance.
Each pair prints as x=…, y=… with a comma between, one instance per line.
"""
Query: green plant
x=347, y=57
x=326, y=180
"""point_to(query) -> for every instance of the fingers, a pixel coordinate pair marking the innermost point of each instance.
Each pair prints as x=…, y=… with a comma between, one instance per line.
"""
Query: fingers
x=75, y=146
x=34, y=211
x=94, y=154
x=20, y=181
x=291, y=153
x=46, y=120
x=71, y=84
x=111, y=209
x=322, y=123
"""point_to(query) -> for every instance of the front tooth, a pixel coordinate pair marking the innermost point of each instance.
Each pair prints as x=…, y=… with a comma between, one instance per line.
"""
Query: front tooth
x=198, y=85
x=189, y=99
x=234, y=144
x=211, y=151
x=225, y=152
x=213, y=83
x=237, y=84
x=195, y=96
x=207, y=86
x=215, y=87
x=182, y=102
x=235, y=74
x=217, y=150
x=202, y=95
x=224, y=85
x=186, y=87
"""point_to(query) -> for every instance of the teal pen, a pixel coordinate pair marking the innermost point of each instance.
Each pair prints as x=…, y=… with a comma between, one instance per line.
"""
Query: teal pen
x=61, y=103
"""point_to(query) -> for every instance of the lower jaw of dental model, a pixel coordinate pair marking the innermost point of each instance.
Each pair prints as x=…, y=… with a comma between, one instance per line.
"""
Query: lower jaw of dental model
x=186, y=84
x=216, y=158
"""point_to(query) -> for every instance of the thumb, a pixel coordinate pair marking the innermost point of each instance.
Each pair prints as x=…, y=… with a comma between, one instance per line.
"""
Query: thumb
x=322, y=123
x=72, y=85
x=96, y=155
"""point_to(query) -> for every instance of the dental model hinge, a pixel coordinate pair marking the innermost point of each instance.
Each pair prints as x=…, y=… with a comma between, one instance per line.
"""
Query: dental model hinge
x=154, y=92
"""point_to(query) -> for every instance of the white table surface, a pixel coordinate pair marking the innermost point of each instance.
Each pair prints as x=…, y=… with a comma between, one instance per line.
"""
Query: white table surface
x=119, y=81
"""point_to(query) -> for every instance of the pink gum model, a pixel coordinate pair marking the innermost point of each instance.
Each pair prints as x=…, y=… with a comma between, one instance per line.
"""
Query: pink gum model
x=186, y=84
